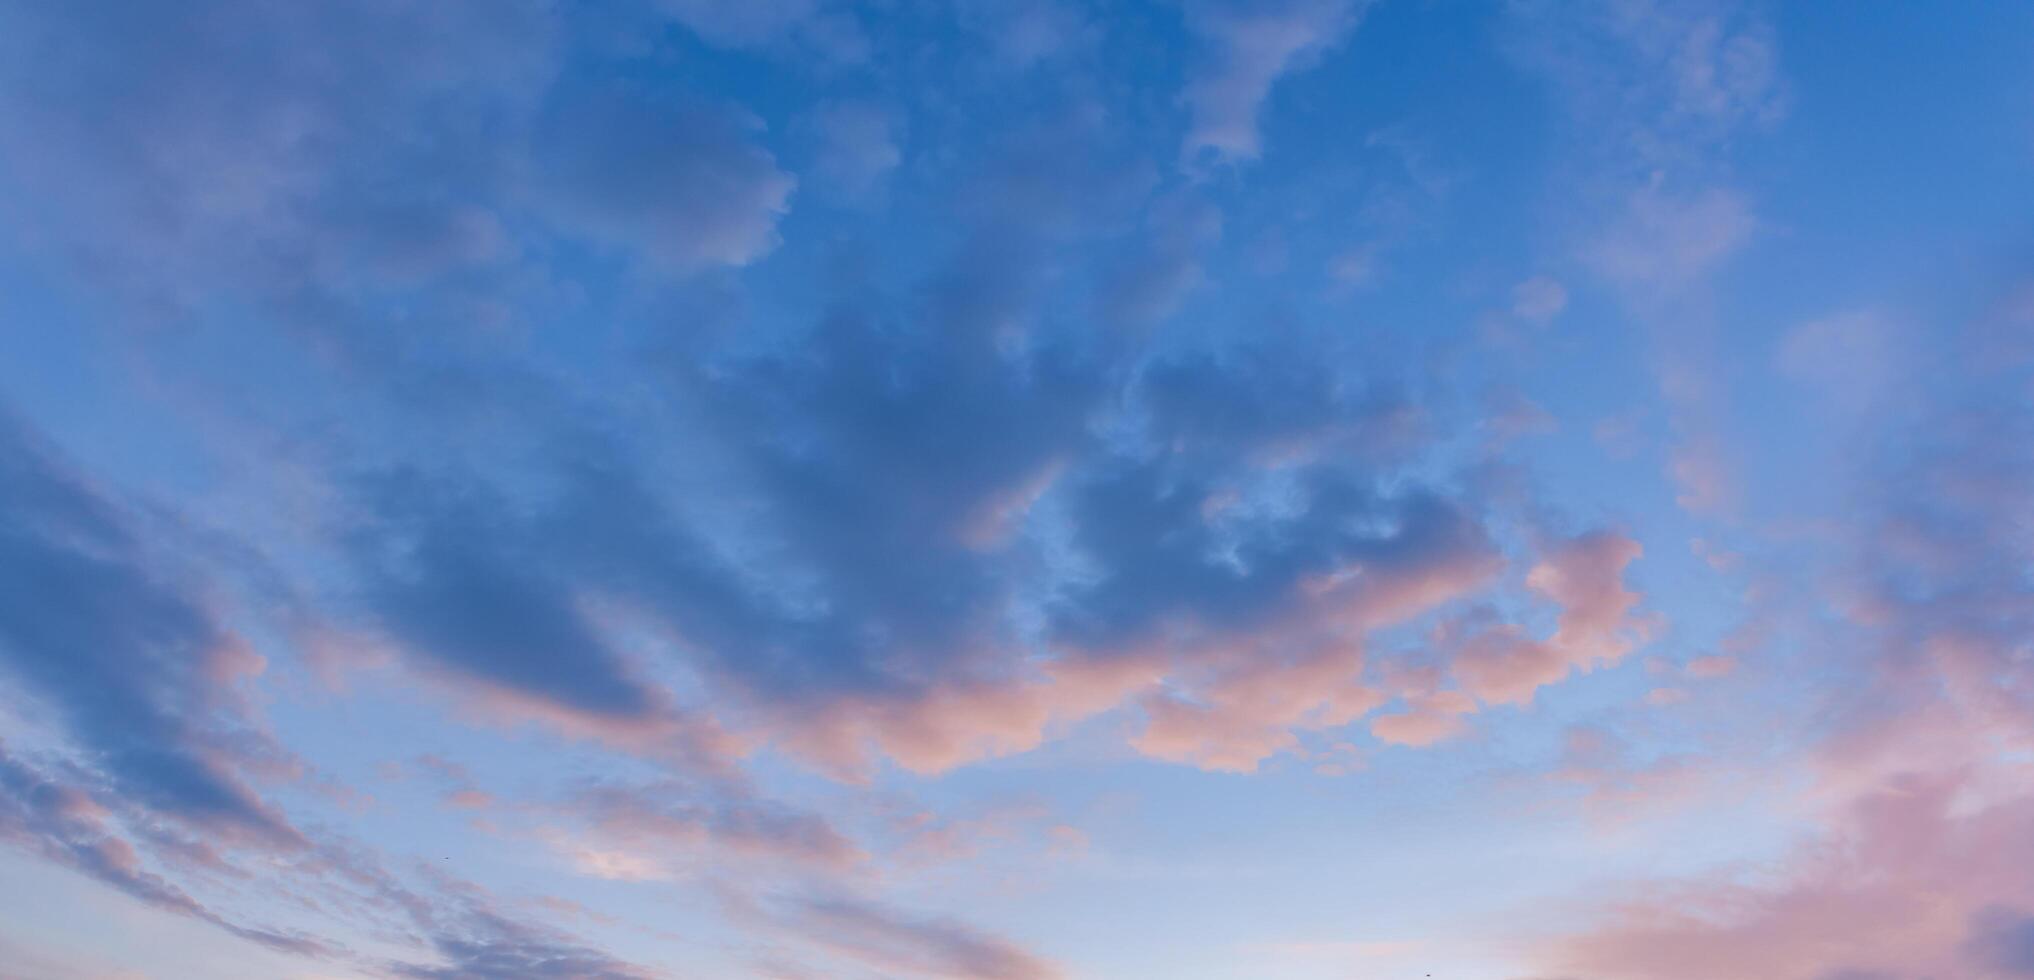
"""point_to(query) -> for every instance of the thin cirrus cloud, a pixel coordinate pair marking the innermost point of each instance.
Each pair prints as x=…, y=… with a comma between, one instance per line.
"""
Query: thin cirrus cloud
x=140, y=670
x=825, y=489
x=874, y=937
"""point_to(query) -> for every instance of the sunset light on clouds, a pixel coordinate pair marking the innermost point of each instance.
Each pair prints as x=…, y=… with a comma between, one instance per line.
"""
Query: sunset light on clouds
x=1017, y=490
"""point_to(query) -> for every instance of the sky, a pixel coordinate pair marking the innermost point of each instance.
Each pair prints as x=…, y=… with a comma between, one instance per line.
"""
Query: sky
x=1017, y=490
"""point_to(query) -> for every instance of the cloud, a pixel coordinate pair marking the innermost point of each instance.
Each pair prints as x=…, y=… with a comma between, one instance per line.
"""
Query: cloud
x=1354, y=267
x=1667, y=240
x=1621, y=784
x=66, y=823
x=67, y=816
x=1267, y=399
x=141, y=670
x=952, y=724
x=893, y=942
x=1223, y=578
x=1250, y=46
x=464, y=929
x=1583, y=577
x=450, y=579
x=901, y=506
x=1240, y=696
x=883, y=520
x=1151, y=281
x=457, y=784
x=1850, y=360
x=1916, y=773
x=1336, y=559
x=1427, y=719
x=150, y=794
x=1712, y=666
x=2002, y=940
x=1656, y=97
x=406, y=160
x=1508, y=414
x=1907, y=887
x=666, y=825
x=928, y=839
x=1250, y=713
x=790, y=26
x=1653, y=85
x=476, y=941
x=1064, y=173
x=926, y=526
x=1704, y=478
x=193, y=149
x=1539, y=299
x=858, y=147
x=970, y=649
x=749, y=24
x=682, y=182
x=1030, y=32
x=964, y=526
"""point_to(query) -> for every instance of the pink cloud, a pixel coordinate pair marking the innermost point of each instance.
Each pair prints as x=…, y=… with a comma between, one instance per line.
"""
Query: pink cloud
x=1907, y=886
x=1711, y=666
x=1230, y=700
x=1428, y=719
x=1252, y=712
x=668, y=830
x=1221, y=699
x=1000, y=514
x=1584, y=576
x=944, y=727
x=926, y=838
x=1237, y=701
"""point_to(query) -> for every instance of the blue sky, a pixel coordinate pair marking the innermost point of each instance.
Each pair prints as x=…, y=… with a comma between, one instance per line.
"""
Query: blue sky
x=1017, y=489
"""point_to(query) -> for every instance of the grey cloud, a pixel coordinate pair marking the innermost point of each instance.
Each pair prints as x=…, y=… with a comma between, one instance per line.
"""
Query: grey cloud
x=681, y=181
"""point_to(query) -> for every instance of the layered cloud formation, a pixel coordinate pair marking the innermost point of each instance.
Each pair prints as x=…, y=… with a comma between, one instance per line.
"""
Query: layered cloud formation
x=1012, y=491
